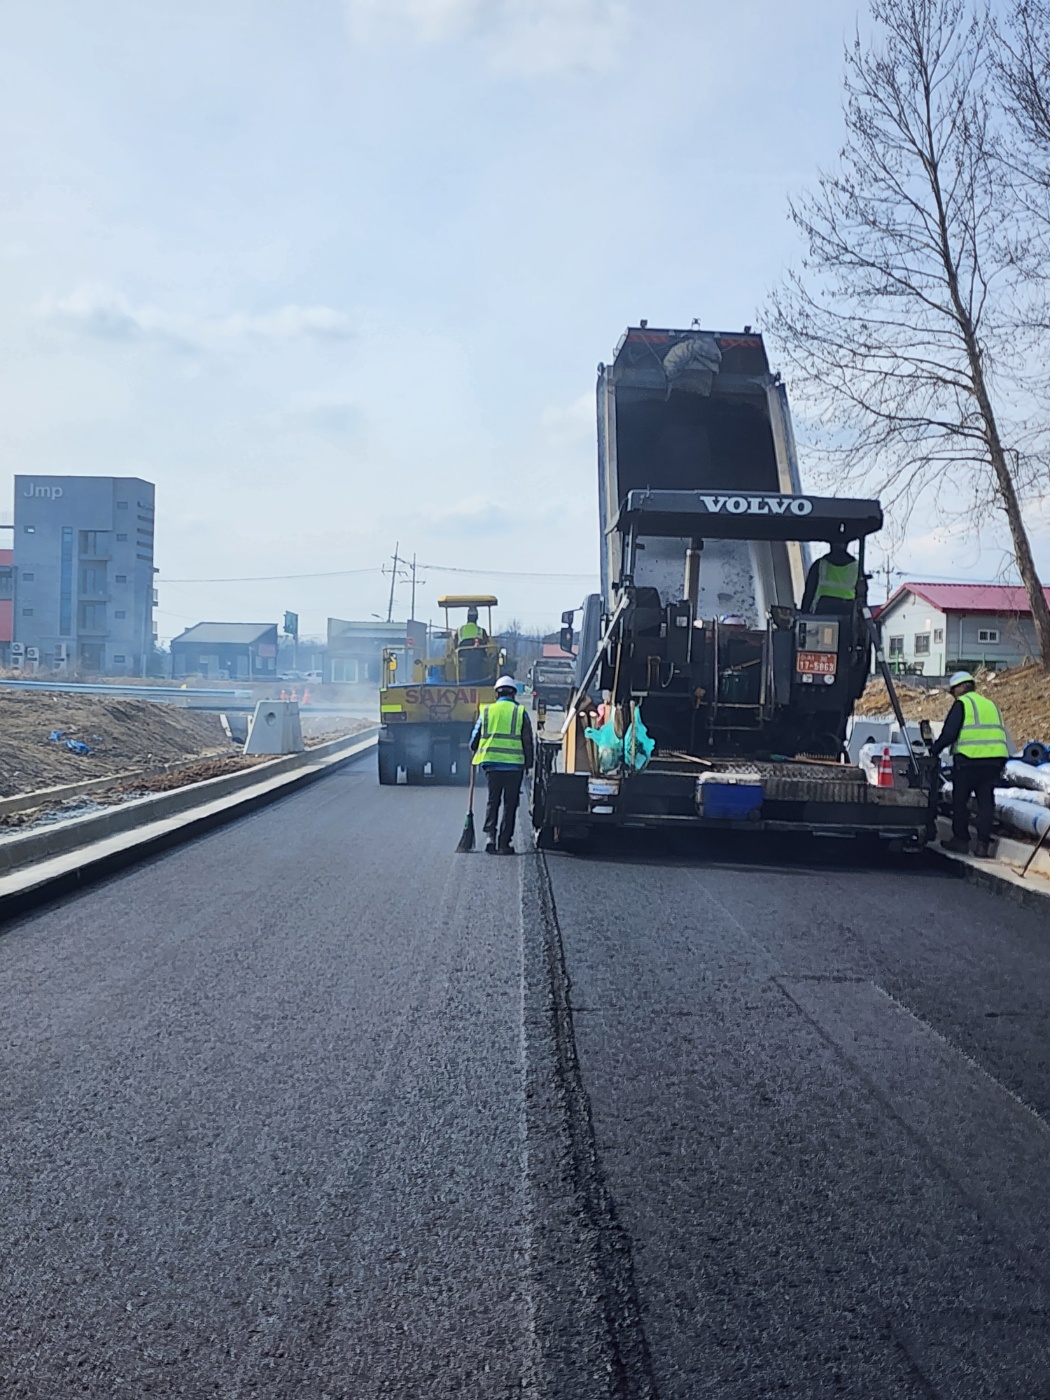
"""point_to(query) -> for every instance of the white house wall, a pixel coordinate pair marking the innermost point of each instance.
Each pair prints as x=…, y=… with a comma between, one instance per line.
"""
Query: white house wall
x=961, y=645
x=912, y=615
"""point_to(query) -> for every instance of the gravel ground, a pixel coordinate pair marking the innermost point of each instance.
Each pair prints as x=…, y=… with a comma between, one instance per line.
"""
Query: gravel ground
x=312, y=1107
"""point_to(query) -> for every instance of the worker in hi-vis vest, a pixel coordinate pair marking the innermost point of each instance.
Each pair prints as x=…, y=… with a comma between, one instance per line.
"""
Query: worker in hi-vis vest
x=833, y=583
x=503, y=748
x=976, y=735
x=471, y=634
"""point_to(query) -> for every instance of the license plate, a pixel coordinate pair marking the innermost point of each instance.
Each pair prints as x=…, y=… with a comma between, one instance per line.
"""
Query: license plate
x=816, y=663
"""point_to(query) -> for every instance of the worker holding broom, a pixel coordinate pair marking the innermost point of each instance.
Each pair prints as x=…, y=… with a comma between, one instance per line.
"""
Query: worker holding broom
x=503, y=748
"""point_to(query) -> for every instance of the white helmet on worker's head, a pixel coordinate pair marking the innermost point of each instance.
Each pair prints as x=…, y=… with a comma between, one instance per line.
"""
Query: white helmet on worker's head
x=506, y=683
x=961, y=678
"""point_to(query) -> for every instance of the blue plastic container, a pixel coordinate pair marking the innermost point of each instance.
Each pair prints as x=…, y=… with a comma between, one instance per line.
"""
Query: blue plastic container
x=729, y=802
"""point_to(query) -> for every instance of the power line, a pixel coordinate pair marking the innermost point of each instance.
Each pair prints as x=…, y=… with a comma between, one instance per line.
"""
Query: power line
x=345, y=573
x=502, y=573
x=271, y=578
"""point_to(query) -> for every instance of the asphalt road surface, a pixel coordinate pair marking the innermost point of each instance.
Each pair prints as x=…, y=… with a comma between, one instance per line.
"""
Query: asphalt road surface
x=313, y=1107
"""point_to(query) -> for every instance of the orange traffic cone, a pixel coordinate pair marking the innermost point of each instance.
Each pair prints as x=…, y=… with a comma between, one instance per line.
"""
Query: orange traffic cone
x=885, y=778
x=284, y=695
x=306, y=695
x=295, y=695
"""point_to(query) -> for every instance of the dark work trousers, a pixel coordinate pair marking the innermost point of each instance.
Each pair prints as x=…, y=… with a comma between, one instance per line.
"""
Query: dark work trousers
x=504, y=786
x=979, y=776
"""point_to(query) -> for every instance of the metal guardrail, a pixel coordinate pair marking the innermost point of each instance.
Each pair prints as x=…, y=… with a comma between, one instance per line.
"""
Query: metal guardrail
x=141, y=692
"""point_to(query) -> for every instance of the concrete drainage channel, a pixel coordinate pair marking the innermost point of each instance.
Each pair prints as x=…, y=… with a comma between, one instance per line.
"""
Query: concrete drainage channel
x=48, y=861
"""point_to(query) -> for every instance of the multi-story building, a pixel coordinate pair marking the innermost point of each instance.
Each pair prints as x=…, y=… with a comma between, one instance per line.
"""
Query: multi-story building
x=83, y=558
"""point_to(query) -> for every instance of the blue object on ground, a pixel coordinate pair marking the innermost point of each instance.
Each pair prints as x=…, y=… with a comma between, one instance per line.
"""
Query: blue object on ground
x=76, y=746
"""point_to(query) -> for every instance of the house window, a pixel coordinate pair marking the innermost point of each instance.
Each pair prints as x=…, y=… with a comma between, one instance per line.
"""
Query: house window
x=122, y=538
x=92, y=617
x=122, y=578
x=938, y=636
x=922, y=644
x=27, y=577
x=122, y=505
x=29, y=529
x=119, y=660
x=988, y=634
x=7, y=583
x=896, y=646
x=120, y=613
x=27, y=612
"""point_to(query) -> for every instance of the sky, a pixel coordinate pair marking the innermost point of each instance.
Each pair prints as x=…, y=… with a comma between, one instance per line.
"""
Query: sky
x=336, y=275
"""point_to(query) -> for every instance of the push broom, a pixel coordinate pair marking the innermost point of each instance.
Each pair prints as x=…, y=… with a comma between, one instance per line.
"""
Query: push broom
x=466, y=841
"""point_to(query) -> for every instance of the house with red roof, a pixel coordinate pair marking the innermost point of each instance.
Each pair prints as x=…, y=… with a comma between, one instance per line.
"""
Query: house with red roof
x=935, y=628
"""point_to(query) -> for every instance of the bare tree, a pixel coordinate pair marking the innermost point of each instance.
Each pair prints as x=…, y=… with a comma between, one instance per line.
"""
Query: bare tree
x=902, y=325
x=1021, y=62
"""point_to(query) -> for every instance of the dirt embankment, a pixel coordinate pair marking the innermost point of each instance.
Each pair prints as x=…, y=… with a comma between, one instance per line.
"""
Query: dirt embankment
x=120, y=734
x=1022, y=694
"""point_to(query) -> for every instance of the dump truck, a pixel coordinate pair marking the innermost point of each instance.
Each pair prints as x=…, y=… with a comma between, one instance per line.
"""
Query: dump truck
x=426, y=718
x=705, y=697
x=550, y=682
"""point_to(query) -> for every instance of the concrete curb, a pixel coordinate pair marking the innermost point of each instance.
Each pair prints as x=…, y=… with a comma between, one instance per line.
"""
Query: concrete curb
x=40, y=865
x=1001, y=873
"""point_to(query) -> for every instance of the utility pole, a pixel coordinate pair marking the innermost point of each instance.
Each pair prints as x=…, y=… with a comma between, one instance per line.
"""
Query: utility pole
x=393, y=581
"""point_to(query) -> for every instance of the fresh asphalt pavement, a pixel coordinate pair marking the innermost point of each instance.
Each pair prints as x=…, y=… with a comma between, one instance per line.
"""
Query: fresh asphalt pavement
x=314, y=1107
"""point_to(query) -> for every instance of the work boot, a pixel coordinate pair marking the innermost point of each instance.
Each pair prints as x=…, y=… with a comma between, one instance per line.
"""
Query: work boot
x=981, y=849
x=958, y=845
x=490, y=848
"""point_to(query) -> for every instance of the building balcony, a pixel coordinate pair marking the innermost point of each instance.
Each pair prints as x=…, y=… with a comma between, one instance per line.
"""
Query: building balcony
x=96, y=554
x=92, y=595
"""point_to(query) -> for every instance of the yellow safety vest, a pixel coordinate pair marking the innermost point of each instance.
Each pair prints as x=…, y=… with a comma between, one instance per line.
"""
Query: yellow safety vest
x=983, y=734
x=836, y=580
x=500, y=738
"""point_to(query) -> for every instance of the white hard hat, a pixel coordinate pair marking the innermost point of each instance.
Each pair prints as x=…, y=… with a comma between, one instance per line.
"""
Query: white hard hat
x=961, y=678
x=506, y=683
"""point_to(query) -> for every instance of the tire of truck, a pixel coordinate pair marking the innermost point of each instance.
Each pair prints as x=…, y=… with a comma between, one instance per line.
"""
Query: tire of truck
x=387, y=764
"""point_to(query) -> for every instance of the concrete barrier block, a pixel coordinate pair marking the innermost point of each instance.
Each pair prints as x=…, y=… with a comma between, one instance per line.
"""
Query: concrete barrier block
x=275, y=728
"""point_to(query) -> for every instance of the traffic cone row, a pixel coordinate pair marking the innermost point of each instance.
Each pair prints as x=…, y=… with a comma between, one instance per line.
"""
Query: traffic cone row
x=295, y=695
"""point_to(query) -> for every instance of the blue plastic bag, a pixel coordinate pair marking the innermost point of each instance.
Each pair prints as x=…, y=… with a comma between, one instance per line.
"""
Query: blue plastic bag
x=638, y=744
x=610, y=747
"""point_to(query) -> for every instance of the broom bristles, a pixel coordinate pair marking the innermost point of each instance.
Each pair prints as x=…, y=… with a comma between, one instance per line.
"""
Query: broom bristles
x=466, y=841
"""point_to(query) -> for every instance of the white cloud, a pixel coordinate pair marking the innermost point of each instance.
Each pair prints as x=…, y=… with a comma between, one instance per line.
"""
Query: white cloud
x=101, y=313
x=289, y=323
x=520, y=36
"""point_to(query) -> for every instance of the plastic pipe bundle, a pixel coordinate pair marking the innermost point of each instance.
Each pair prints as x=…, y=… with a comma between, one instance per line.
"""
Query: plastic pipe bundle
x=1023, y=816
x=1023, y=775
x=1016, y=794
